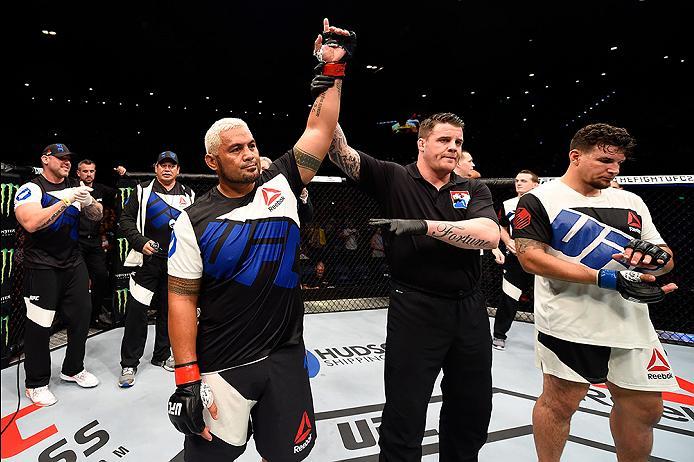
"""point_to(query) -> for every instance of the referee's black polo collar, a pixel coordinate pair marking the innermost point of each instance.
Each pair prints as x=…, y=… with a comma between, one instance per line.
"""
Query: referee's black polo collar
x=414, y=173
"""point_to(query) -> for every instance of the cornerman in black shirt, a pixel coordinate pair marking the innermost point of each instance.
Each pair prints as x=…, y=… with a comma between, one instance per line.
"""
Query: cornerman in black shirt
x=235, y=255
x=146, y=223
x=437, y=318
x=90, y=236
x=49, y=208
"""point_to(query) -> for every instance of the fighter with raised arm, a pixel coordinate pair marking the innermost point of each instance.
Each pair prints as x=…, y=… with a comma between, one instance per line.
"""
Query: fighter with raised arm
x=234, y=254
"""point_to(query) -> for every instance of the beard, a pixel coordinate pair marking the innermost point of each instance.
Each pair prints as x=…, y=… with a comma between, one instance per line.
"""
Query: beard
x=240, y=177
x=599, y=184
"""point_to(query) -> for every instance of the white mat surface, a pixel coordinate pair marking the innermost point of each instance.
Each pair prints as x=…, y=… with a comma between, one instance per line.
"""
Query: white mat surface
x=348, y=397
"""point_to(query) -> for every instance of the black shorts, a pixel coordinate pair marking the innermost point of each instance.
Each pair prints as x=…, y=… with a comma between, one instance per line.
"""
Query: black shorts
x=270, y=399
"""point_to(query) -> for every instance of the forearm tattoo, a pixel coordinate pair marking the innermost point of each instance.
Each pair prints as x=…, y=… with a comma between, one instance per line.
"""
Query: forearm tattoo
x=181, y=286
x=523, y=245
x=346, y=158
x=318, y=105
x=306, y=160
x=94, y=212
x=54, y=216
x=458, y=236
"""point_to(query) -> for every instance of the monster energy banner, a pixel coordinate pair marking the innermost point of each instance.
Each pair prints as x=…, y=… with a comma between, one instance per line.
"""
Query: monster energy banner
x=8, y=316
x=120, y=274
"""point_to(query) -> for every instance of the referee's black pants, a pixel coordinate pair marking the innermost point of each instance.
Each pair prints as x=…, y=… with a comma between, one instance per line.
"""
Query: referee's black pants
x=424, y=335
x=95, y=258
x=45, y=292
x=148, y=289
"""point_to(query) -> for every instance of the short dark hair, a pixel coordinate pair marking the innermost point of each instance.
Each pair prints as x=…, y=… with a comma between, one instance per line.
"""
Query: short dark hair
x=85, y=161
x=441, y=118
x=602, y=135
x=532, y=174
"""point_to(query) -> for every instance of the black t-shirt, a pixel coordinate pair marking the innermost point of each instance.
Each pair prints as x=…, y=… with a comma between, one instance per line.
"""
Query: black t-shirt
x=89, y=229
x=246, y=251
x=54, y=246
x=422, y=262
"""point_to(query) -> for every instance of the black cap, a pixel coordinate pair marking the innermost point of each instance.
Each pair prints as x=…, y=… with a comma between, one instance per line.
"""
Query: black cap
x=56, y=150
x=167, y=155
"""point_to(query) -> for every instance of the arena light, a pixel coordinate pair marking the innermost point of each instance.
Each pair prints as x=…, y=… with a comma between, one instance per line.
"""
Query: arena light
x=260, y=101
x=472, y=92
x=26, y=84
x=526, y=92
x=531, y=75
x=51, y=32
x=151, y=93
x=44, y=32
x=207, y=98
x=604, y=74
x=424, y=95
x=614, y=48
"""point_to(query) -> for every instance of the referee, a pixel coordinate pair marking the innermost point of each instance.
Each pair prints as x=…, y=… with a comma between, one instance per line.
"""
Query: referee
x=437, y=317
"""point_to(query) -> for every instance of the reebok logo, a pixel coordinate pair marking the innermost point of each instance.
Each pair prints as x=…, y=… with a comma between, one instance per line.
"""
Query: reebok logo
x=303, y=435
x=634, y=222
x=272, y=197
x=658, y=363
x=522, y=218
x=182, y=202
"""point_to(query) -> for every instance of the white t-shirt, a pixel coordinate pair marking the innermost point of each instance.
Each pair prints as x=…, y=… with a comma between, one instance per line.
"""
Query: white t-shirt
x=587, y=231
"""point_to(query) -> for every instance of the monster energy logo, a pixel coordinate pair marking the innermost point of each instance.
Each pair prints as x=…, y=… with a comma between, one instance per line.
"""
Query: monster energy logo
x=121, y=299
x=7, y=255
x=5, y=327
x=123, y=248
x=124, y=195
x=6, y=196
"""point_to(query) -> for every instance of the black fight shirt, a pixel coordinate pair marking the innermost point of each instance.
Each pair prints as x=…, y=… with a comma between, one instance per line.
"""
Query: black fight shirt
x=246, y=253
x=54, y=246
x=423, y=262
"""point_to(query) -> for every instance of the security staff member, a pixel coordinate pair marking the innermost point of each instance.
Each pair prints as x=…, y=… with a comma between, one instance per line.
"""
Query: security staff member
x=48, y=209
x=146, y=223
x=90, y=238
x=437, y=317
x=515, y=281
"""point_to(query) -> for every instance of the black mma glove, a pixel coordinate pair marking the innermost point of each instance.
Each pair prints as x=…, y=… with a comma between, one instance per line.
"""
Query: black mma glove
x=189, y=400
x=646, y=248
x=321, y=83
x=401, y=227
x=347, y=43
x=630, y=286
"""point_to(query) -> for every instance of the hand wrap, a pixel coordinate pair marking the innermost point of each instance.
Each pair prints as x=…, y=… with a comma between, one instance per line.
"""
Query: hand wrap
x=630, y=286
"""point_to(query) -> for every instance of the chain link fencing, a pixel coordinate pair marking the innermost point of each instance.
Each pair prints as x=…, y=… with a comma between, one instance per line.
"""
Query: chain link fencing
x=349, y=253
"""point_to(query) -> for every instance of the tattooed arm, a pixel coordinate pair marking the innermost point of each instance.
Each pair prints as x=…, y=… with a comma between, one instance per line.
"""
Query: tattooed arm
x=343, y=155
x=94, y=211
x=475, y=233
x=534, y=258
x=33, y=217
x=183, y=322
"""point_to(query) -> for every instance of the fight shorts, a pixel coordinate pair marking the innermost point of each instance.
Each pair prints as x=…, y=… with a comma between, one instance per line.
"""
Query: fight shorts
x=269, y=399
x=642, y=369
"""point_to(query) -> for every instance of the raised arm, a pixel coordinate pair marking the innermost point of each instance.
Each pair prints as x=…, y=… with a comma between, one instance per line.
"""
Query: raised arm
x=343, y=155
x=313, y=144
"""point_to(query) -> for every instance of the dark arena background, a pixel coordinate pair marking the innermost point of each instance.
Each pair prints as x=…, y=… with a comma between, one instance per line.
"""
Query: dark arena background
x=121, y=83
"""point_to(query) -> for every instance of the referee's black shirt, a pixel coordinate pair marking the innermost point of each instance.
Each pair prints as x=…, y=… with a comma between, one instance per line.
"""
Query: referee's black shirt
x=422, y=262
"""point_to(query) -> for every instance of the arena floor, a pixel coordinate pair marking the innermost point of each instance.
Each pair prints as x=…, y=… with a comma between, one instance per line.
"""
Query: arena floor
x=109, y=424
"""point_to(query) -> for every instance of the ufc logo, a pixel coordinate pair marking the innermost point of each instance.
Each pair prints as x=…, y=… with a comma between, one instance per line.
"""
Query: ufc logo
x=175, y=408
x=572, y=242
x=247, y=247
